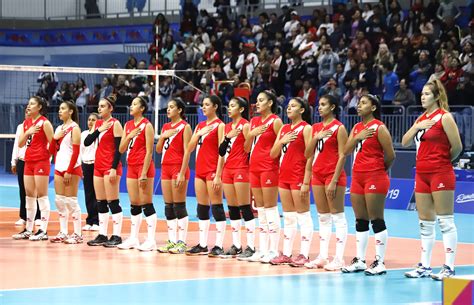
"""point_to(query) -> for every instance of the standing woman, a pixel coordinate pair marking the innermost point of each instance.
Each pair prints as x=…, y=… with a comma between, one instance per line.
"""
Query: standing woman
x=67, y=173
x=138, y=141
x=263, y=172
x=107, y=172
x=206, y=139
x=294, y=180
x=329, y=181
x=438, y=143
x=37, y=134
x=373, y=155
x=173, y=146
x=235, y=177
x=87, y=158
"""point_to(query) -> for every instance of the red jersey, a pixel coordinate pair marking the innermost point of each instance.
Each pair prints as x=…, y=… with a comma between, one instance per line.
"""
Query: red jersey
x=236, y=157
x=136, y=151
x=368, y=153
x=104, y=155
x=432, y=146
x=292, y=159
x=260, y=160
x=326, y=153
x=207, y=151
x=173, y=147
x=36, y=144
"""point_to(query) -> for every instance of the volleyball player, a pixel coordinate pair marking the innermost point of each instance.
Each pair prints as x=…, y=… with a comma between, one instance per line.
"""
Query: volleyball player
x=173, y=146
x=437, y=144
x=294, y=179
x=263, y=172
x=329, y=181
x=107, y=172
x=137, y=140
x=206, y=139
x=235, y=177
x=373, y=155
x=37, y=134
x=67, y=173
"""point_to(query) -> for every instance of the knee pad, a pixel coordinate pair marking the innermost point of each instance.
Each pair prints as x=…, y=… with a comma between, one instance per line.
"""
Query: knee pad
x=427, y=229
x=60, y=202
x=247, y=213
x=234, y=213
x=325, y=219
x=169, y=211
x=180, y=210
x=290, y=220
x=362, y=225
x=378, y=225
x=73, y=206
x=218, y=212
x=135, y=210
x=43, y=203
x=102, y=206
x=305, y=221
x=203, y=212
x=115, y=207
x=148, y=209
x=446, y=224
x=339, y=220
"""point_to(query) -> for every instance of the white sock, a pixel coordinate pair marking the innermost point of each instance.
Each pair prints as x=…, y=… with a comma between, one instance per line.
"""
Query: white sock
x=60, y=202
x=340, y=223
x=428, y=236
x=135, y=227
x=263, y=227
x=45, y=209
x=183, y=228
x=250, y=227
x=103, y=223
x=31, y=209
x=172, y=229
x=220, y=232
x=450, y=238
x=361, y=241
x=325, y=230
x=151, y=226
x=75, y=211
x=306, y=227
x=117, y=219
x=236, y=232
x=381, y=244
x=203, y=232
x=274, y=225
x=290, y=224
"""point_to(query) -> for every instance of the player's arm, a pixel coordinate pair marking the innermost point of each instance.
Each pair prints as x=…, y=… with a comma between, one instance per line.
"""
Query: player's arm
x=452, y=132
x=149, y=141
x=385, y=140
x=350, y=144
x=341, y=143
x=276, y=149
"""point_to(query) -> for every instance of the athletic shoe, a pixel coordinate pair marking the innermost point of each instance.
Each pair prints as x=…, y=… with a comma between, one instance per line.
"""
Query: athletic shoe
x=216, y=252
x=166, y=248
x=318, y=262
x=197, y=250
x=87, y=227
x=113, y=242
x=299, y=261
x=25, y=234
x=419, y=271
x=268, y=257
x=248, y=253
x=20, y=222
x=281, y=260
x=60, y=238
x=356, y=265
x=255, y=258
x=232, y=252
x=40, y=235
x=74, y=239
x=94, y=228
x=445, y=272
x=100, y=240
x=376, y=268
x=147, y=245
x=179, y=248
x=334, y=265
x=129, y=243
x=38, y=222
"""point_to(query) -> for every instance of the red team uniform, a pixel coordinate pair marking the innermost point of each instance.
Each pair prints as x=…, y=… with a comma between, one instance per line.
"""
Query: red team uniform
x=37, y=153
x=173, y=152
x=368, y=170
x=236, y=164
x=263, y=169
x=434, y=171
x=64, y=151
x=104, y=154
x=292, y=159
x=326, y=155
x=207, y=152
x=136, y=151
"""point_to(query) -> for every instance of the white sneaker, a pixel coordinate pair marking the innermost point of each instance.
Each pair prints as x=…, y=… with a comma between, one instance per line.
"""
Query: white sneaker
x=148, y=245
x=419, y=271
x=318, y=262
x=268, y=257
x=334, y=265
x=60, y=238
x=94, y=228
x=20, y=222
x=74, y=239
x=445, y=272
x=129, y=243
x=40, y=235
x=87, y=227
x=376, y=268
x=254, y=258
x=38, y=222
x=25, y=234
x=356, y=265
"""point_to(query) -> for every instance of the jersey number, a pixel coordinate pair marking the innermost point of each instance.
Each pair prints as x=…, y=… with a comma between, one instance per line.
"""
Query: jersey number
x=358, y=146
x=320, y=145
x=130, y=145
x=167, y=143
x=28, y=141
x=284, y=148
x=200, y=141
x=419, y=135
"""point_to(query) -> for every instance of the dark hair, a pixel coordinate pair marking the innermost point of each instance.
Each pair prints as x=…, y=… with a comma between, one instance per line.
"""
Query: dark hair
x=242, y=104
x=272, y=96
x=111, y=99
x=215, y=100
x=143, y=102
x=42, y=102
x=332, y=101
x=95, y=114
x=375, y=102
x=72, y=106
x=180, y=104
x=306, y=115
